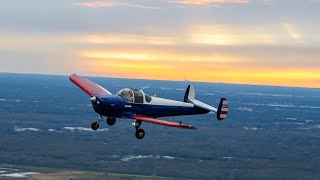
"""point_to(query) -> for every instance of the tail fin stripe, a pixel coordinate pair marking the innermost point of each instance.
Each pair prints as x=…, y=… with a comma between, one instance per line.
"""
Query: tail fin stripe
x=223, y=109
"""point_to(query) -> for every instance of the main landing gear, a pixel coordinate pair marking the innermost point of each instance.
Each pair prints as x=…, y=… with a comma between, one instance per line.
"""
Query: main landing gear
x=139, y=132
x=110, y=121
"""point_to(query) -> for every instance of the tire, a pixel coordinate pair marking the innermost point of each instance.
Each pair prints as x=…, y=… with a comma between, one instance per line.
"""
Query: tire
x=140, y=133
x=95, y=126
x=111, y=121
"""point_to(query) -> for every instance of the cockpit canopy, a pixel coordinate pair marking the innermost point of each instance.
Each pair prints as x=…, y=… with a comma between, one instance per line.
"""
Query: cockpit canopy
x=134, y=95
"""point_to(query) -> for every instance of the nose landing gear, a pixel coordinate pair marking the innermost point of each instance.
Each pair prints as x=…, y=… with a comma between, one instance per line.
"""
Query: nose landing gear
x=110, y=121
x=95, y=125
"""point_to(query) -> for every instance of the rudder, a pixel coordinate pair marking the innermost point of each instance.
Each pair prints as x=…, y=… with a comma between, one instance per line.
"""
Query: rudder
x=223, y=109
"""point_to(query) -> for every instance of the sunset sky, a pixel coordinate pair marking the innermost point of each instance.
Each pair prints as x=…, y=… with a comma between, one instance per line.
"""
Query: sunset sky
x=265, y=42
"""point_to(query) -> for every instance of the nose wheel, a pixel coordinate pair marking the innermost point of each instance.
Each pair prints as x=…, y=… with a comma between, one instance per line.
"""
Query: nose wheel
x=95, y=125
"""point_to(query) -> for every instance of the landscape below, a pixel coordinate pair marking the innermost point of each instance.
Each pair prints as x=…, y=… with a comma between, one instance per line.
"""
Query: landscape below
x=270, y=133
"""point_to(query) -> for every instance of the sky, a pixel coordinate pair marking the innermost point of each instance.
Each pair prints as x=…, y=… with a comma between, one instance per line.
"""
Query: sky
x=264, y=42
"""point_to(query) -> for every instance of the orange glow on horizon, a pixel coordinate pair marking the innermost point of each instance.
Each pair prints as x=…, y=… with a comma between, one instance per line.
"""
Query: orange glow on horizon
x=204, y=54
x=177, y=71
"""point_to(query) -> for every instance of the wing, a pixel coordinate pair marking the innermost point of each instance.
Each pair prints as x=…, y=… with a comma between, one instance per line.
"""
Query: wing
x=158, y=121
x=88, y=86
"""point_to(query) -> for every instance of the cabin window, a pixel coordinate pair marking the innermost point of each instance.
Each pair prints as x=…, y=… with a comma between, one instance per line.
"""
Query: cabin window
x=138, y=96
x=148, y=98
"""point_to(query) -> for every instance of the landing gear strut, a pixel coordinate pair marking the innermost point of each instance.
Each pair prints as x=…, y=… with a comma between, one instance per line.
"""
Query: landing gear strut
x=139, y=132
x=95, y=125
x=111, y=121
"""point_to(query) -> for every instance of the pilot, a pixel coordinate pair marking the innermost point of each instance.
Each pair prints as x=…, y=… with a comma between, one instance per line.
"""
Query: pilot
x=127, y=95
x=130, y=97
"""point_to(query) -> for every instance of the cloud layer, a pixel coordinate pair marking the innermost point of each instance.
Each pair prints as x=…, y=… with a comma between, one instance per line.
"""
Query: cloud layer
x=243, y=41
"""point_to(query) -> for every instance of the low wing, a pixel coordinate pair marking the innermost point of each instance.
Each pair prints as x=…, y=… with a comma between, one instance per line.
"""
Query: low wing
x=157, y=121
x=88, y=86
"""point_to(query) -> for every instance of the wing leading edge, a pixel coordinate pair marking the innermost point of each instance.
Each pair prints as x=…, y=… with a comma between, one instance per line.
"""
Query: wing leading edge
x=88, y=86
x=158, y=121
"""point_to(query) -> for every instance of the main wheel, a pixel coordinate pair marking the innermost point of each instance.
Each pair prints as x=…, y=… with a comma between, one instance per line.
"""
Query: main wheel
x=111, y=121
x=140, y=133
x=95, y=126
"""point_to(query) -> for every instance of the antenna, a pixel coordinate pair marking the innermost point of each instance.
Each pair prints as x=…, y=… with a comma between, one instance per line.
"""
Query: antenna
x=145, y=87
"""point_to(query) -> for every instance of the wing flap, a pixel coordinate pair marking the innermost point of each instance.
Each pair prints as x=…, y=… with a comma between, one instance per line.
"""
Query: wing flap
x=88, y=86
x=158, y=121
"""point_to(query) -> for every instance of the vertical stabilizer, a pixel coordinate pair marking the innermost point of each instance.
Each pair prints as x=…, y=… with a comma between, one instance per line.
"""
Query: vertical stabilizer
x=190, y=93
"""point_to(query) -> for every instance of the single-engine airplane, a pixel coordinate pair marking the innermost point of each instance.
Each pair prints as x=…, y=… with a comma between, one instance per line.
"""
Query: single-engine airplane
x=134, y=104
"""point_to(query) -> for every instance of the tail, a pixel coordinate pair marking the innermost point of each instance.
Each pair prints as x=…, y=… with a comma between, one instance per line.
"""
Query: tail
x=222, y=111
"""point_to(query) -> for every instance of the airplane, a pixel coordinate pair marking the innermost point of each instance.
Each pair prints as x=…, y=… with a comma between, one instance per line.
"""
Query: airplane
x=130, y=103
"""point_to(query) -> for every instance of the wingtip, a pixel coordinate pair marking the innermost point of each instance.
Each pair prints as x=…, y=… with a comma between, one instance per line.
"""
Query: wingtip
x=189, y=127
x=72, y=76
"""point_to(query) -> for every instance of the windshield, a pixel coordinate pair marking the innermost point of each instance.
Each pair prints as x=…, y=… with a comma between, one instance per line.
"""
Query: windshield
x=134, y=95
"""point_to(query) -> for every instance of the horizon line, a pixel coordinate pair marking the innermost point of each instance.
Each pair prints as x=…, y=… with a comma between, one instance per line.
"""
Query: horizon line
x=170, y=80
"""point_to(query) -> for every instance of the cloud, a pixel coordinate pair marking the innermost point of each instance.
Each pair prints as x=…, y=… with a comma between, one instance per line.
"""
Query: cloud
x=268, y=2
x=127, y=39
x=292, y=32
x=19, y=175
x=245, y=109
x=208, y=2
x=252, y=128
x=104, y=4
x=26, y=129
x=314, y=1
x=132, y=157
x=74, y=129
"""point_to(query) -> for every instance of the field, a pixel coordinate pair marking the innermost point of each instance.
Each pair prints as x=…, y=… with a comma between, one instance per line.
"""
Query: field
x=271, y=133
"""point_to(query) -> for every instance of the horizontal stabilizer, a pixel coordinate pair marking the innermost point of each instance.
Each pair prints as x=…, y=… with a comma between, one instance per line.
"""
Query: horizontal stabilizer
x=203, y=105
x=190, y=96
